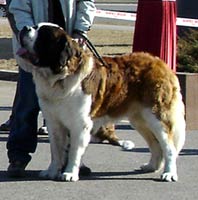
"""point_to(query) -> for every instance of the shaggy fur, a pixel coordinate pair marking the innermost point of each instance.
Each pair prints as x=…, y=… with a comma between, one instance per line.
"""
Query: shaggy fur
x=78, y=94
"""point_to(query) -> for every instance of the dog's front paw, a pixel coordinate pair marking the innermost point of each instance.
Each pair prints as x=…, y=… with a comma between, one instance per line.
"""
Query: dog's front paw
x=69, y=176
x=169, y=177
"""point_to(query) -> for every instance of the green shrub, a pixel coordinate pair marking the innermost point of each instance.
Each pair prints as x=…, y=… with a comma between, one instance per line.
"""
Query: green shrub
x=187, y=53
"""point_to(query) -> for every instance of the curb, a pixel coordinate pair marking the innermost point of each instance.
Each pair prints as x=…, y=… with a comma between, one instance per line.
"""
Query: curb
x=8, y=75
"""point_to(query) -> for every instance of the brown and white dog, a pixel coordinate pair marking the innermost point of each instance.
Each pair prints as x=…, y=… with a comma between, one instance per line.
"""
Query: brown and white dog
x=78, y=95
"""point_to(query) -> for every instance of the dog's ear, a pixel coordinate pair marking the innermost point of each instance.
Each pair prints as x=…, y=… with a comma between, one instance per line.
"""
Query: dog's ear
x=61, y=42
x=70, y=50
x=63, y=54
x=58, y=59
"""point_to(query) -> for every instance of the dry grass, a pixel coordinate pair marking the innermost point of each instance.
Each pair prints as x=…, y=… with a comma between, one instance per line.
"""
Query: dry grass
x=7, y=62
x=111, y=42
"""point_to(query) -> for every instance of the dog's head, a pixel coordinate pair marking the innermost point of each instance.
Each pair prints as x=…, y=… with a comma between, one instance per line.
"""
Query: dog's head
x=48, y=46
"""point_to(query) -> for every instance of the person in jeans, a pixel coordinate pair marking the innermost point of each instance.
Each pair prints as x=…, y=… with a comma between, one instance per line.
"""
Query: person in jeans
x=72, y=15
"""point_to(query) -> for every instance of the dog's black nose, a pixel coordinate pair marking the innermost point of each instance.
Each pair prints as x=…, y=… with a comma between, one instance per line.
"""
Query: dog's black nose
x=22, y=33
x=26, y=28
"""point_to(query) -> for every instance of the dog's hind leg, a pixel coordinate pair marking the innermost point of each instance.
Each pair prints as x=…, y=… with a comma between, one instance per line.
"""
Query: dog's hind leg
x=179, y=127
x=175, y=141
x=170, y=156
x=156, y=160
x=165, y=134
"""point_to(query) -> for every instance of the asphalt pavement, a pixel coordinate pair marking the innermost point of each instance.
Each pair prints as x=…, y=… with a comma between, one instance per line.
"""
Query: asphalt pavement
x=114, y=175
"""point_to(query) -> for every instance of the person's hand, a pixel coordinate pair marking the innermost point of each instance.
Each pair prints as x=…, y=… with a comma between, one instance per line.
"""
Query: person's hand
x=77, y=36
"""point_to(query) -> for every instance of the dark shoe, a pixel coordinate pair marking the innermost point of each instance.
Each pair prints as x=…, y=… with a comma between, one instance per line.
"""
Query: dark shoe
x=84, y=171
x=16, y=169
x=5, y=126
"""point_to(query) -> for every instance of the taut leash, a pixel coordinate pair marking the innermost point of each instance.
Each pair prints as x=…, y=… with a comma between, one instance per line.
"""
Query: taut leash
x=92, y=48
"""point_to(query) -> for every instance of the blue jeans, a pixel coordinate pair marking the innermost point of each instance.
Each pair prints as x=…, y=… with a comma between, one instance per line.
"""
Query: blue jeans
x=23, y=135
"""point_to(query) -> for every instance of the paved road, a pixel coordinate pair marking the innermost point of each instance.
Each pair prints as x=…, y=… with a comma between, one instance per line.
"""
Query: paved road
x=114, y=176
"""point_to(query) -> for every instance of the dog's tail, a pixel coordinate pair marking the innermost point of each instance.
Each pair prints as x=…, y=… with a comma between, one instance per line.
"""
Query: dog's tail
x=178, y=120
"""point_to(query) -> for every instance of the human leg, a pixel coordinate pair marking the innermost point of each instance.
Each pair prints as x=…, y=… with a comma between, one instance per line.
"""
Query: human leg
x=6, y=126
x=23, y=135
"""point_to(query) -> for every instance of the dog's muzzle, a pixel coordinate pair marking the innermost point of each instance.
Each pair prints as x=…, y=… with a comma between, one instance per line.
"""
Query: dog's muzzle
x=23, y=33
x=23, y=51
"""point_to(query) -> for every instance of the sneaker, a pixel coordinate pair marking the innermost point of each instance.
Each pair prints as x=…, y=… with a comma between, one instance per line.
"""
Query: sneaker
x=16, y=169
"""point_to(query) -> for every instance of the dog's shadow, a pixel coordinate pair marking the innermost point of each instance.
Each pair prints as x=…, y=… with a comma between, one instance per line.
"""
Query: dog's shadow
x=132, y=175
x=33, y=175
x=30, y=175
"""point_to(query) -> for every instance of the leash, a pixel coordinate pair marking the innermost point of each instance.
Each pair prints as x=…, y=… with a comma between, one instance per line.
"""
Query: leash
x=92, y=48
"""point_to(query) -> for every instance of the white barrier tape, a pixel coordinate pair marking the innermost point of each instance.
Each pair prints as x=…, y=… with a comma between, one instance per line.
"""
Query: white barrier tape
x=115, y=15
x=187, y=22
x=132, y=17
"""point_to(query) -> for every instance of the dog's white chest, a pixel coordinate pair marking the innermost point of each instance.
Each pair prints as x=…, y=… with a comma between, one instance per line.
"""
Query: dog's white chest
x=63, y=102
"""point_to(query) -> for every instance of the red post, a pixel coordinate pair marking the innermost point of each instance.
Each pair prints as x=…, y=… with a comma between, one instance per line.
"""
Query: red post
x=155, y=29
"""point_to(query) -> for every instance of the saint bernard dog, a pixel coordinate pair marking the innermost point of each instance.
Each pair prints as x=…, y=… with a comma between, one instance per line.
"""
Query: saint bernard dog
x=78, y=95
